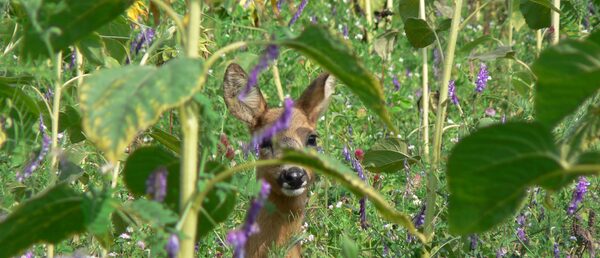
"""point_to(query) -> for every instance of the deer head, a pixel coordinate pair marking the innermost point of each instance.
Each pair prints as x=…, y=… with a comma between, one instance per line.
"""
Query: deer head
x=289, y=183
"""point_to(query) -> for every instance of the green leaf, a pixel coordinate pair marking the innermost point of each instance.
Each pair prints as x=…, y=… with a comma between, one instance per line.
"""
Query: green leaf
x=568, y=74
x=348, y=178
x=490, y=170
x=387, y=156
x=537, y=16
x=384, y=44
x=169, y=141
x=70, y=120
x=140, y=94
x=333, y=55
x=92, y=49
x=349, y=247
x=98, y=208
x=49, y=217
x=418, y=32
x=153, y=212
x=408, y=9
x=499, y=52
x=219, y=202
x=467, y=48
x=143, y=162
x=64, y=22
x=523, y=83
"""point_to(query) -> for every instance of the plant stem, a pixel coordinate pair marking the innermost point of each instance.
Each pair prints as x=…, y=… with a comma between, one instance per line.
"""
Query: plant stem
x=277, y=81
x=189, y=177
x=425, y=91
x=188, y=114
x=440, y=118
x=538, y=42
x=509, y=43
x=555, y=17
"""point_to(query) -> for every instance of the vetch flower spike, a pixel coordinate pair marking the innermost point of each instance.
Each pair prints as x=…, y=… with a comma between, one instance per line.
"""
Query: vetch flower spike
x=35, y=163
x=298, y=12
x=238, y=238
x=578, y=193
x=143, y=40
x=396, y=82
x=172, y=246
x=452, y=92
x=271, y=53
x=482, y=78
x=156, y=184
x=282, y=123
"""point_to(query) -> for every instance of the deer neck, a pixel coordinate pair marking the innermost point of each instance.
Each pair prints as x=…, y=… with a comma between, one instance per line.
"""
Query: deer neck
x=277, y=227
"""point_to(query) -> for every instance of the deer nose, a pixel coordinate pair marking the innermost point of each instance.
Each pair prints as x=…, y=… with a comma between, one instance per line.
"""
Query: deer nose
x=293, y=178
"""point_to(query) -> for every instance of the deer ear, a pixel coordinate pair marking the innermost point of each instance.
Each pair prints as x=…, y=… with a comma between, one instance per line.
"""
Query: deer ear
x=316, y=97
x=249, y=109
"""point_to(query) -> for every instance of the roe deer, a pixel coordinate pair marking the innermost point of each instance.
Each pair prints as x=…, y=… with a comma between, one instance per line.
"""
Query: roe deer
x=289, y=184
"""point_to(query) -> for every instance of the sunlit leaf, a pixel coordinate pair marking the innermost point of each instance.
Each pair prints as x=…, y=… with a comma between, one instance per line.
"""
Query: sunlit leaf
x=490, y=170
x=568, y=74
x=418, y=32
x=388, y=156
x=49, y=217
x=65, y=22
x=317, y=44
x=119, y=103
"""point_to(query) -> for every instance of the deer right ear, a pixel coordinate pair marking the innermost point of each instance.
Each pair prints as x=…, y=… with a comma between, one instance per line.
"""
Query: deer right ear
x=250, y=108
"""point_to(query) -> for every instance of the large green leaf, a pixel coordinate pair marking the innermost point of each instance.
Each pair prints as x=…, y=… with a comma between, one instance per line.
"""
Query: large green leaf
x=408, y=9
x=348, y=178
x=499, y=52
x=568, y=74
x=333, y=55
x=64, y=22
x=219, y=202
x=387, y=156
x=50, y=217
x=418, y=32
x=119, y=103
x=490, y=170
x=537, y=16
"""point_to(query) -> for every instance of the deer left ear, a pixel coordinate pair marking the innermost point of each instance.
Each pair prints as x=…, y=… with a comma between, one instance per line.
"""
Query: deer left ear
x=316, y=97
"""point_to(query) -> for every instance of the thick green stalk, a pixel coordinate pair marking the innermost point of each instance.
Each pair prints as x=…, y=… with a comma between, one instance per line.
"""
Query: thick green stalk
x=425, y=91
x=440, y=118
x=555, y=17
x=509, y=43
x=188, y=115
x=538, y=42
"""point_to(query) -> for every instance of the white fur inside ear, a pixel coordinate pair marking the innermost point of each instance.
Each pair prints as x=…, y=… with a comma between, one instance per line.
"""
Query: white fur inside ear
x=329, y=86
x=252, y=99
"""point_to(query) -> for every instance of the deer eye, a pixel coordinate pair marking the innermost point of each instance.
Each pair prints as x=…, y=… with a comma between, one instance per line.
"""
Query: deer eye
x=312, y=140
x=266, y=144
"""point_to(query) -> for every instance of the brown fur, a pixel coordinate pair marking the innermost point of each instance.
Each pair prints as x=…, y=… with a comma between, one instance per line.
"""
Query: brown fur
x=277, y=228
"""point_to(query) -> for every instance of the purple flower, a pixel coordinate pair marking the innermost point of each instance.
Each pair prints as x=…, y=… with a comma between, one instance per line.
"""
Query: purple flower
x=28, y=254
x=314, y=19
x=419, y=218
x=346, y=153
x=501, y=252
x=35, y=163
x=345, y=31
x=350, y=130
x=521, y=234
x=48, y=94
x=279, y=4
x=143, y=40
x=396, y=82
x=73, y=59
x=482, y=78
x=270, y=54
x=156, y=184
x=578, y=193
x=452, y=92
x=282, y=123
x=363, y=201
x=490, y=111
x=238, y=238
x=298, y=12
x=556, y=251
x=172, y=246
x=474, y=240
